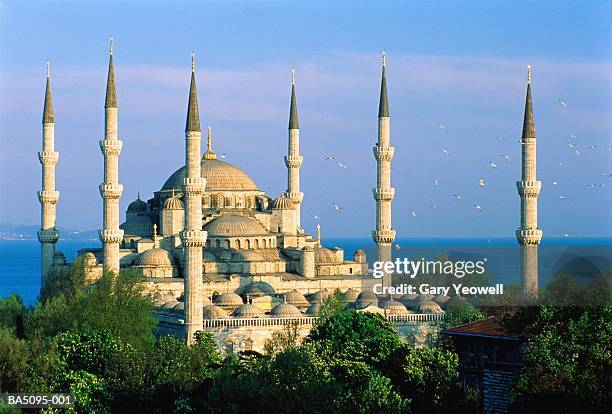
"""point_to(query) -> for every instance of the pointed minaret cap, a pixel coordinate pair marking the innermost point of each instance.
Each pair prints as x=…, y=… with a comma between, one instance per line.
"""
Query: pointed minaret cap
x=528, y=119
x=48, y=116
x=293, y=114
x=209, y=154
x=111, y=90
x=383, y=106
x=193, y=113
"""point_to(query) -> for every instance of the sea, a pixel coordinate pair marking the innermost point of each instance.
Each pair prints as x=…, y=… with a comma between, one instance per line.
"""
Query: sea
x=585, y=258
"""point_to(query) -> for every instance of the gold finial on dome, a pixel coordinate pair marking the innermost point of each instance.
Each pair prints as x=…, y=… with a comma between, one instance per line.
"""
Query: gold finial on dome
x=319, y=235
x=210, y=154
x=528, y=73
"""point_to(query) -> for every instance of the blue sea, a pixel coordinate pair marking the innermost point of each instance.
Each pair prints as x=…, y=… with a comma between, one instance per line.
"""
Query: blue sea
x=582, y=257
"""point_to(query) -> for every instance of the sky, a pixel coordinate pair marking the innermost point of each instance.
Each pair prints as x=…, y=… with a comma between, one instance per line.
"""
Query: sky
x=459, y=64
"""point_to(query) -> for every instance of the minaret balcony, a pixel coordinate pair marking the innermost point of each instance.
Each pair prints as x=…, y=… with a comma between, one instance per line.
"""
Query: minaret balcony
x=48, y=235
x=529, y=236
x=111, y=147
x=194, y=186
x=383, y=194
x=383, y=236
x=111, y=235
x=194, y=238
x=111, y=191
x=295, y=197
x=48, y=196
x=529, y=188
x=383, y=153
x=293, y=161
x=48, y=157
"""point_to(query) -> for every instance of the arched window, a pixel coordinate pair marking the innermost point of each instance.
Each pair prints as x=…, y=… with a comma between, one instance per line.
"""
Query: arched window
x=229, y=346
x=208, y=244
x=248, y=243
x=237, y=244
x=248, y=345
x=264, y=243
x=228, y=202
x=218, y=243
x=256, y=243
x=227, y=244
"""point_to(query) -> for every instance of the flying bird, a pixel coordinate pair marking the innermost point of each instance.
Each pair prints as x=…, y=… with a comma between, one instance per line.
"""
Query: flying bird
x=477, y=207
x=337, y=207
x=500, y=139
x=555, y=183
x=222, y=156
x=445, y=151
x=316, y=216
x=481, y=182
x=443, y=126
x=562, y=197
x=571, y=145
x=434, y=204
x=329, y=157
x=562, y=103
x=341, y=164
x=457, y=196
x=577, y=152
x=397, y=247
x=492, y=165
x=506, y=156
x=592, y=146
x=413, y=213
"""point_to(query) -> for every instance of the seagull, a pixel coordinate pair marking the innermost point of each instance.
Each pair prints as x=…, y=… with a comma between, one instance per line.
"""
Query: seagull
x=572, y=136
x=436, y=183
x=481, y=182
x=443, y=126
x=397, y=247
x=571, y=145
x=565, y=235
x=492, y=165
x=577, y=152
x=477, y=206
x=555, y=183
x=506, y=156
x=445, y=151
x=341, y=164
x=592, y=146
x=560, y=164
x=562, y=103
x=500, y=139
x=434, y=204
x=329, y=157
x=413, y=213
x=337, y=207
x=222, y=156
x=606, y=174
x=562, y=197
x=316, y=216
x=457, y=196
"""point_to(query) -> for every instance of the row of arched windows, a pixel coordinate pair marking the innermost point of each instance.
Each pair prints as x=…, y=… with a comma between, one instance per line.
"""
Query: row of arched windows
x=250, y=243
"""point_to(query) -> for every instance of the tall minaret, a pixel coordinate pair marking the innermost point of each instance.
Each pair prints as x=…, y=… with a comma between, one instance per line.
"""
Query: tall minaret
x=193, y=236
x=293, y=159
x=48, y=196
x=383, y=192
x=529, y=235
x=110, y=189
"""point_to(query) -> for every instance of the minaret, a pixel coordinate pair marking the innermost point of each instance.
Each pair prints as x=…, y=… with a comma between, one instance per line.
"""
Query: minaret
x=110, y=189
x=193, y=236
x=48, y=196
x=293, y=159
x=529, y=235
x=383, y=192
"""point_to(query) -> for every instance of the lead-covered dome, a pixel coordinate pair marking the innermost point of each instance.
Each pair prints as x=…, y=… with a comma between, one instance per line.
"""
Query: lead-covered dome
x=325, y=256
x=285, y=310
x=220, y=176
x=174, y=203
x=155, y=257
x=232, y=225
x=137, y=206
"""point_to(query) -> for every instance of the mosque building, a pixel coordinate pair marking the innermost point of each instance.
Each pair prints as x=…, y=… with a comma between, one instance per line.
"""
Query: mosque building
x=217, y=252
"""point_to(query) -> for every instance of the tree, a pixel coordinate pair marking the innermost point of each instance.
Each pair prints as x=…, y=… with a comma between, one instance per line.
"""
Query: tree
x=13, y=361
x=11, y=313
x=282, y=340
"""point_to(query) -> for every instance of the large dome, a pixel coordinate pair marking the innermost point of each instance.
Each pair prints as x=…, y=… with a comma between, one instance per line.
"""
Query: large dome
x=220, y=176
x=231, y=225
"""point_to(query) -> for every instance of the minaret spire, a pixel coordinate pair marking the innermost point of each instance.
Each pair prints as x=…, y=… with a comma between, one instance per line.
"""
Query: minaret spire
x=528, y=234
x=48, y=196
x=383, y=192
x=293, y=159
x=110, y=190
x=193, y=237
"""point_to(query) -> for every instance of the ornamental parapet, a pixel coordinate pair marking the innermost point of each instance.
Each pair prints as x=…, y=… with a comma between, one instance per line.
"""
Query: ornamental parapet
x=111, y=235
x=383, y=153
x=384, y=236
x=194, y=186
x=48, y=196
x=529, y=236
x=193, y=238
x=293, y=161
x=383, y=194
x=48, y=235
x=112, y=191
x=48, y=157
x=529, y=188
x=111, y=146
x=295, y=197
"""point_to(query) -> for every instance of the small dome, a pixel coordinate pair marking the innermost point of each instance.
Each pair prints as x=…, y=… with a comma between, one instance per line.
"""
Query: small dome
x=209, y=256
x=229, y=299
x=171, y=304
x=137, y=206
x=368, y=294
x=393, y=307
x=365, y=299
x=313, y=309
x=307, y=249
x=258, y=289
x=325, y=256
x=283, y=203
x=428, y=306
x=285, y=310
x=295, y=298
x=141, y=225
x=456, y=302
x=440, y=299
x=232, y=225
x=351, y=295
x=174, y=203
x=319, y=296
x=89, y=259
x=248, y=310
x=213, y=312
x=155, y=257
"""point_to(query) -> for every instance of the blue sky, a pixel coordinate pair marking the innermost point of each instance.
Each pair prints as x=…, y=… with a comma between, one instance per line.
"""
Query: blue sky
x=461, y=63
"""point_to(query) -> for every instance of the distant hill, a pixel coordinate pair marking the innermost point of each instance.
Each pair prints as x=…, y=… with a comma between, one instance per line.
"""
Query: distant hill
x=11, y=231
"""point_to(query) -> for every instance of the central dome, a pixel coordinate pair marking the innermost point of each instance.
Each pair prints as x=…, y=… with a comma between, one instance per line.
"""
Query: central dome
x=220, y=176
x=230, y=225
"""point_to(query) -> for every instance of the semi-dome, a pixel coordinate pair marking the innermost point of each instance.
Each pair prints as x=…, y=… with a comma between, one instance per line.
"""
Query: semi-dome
x=283, y=203
x=248, y=310
x=213, y=312
x=246, y=256
x=155, y=257
x=428, y=306
x=141, y=225
x=232, y=225
x=393, y=307
x=220, y=176
x=137, y=206
x=319, y=296
x=325, y=256
x=228, y=299
x=285, y=310
x=295, y=298
x=174, y=203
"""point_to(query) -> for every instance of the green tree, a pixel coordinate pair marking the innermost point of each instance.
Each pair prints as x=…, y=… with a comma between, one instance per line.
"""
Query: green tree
x=11, y=313
x=14, y=357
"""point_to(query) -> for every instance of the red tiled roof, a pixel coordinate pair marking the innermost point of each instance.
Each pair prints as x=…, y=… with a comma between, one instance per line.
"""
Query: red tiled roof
x=485, y=327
